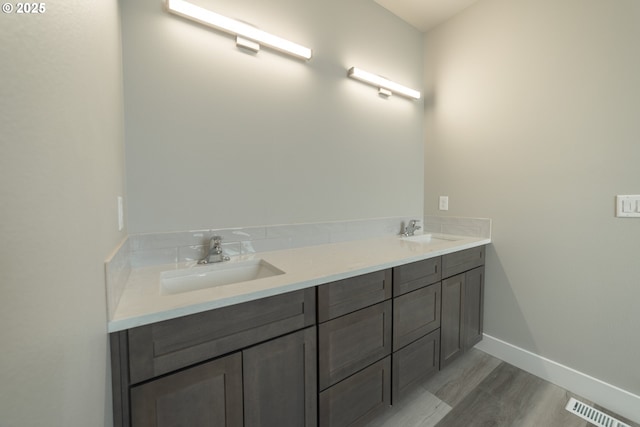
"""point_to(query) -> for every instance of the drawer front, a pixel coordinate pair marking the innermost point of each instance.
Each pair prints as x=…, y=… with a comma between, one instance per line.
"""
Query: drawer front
x=415, y=363
x=358, y=399
x=350, y=343
x=174, y=344
x=409, y=277
x=415, y=315
x=459, y=262
x=348, y=295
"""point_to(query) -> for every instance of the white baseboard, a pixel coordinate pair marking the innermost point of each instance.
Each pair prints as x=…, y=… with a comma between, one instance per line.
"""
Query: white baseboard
x=620, y=401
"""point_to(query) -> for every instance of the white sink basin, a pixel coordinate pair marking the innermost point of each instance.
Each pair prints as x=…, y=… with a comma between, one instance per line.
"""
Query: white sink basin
x=214, y=275
x=428, y=238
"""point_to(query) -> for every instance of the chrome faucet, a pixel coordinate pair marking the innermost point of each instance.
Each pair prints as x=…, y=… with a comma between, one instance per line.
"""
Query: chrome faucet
x=411, y=228
x=215, y=252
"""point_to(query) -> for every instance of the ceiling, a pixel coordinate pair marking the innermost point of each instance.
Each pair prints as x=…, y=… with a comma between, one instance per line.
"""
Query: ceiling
x=425, y=14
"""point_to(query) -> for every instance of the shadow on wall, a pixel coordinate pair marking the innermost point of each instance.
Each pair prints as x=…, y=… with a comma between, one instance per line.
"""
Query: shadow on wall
x=502, y=303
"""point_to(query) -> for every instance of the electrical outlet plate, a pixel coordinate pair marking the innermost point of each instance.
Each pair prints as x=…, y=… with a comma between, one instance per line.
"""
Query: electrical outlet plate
x=120, y=213
x=628, y=206
x=444, y=203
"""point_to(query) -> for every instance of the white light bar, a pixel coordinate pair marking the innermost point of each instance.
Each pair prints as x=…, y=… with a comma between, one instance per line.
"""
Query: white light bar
x=382, y=83
x=237, y=28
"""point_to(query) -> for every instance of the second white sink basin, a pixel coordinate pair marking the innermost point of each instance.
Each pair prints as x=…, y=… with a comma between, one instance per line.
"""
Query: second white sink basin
x=215, y=275
x=428, y=238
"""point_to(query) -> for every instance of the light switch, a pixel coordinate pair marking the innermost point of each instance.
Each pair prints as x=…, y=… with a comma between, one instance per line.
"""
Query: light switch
x=628, y=206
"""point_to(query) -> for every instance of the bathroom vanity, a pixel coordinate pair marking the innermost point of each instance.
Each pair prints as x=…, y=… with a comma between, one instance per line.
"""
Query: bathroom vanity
x=333, y=350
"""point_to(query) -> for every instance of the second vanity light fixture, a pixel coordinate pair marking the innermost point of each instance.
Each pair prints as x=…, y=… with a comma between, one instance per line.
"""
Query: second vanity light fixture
x=385, y=86
x=247, y=36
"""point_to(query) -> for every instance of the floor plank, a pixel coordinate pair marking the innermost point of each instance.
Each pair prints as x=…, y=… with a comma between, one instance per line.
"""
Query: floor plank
x=478, y=390
x=547, y=408
x=514, y=398
x=455, y=381
x=418, y=409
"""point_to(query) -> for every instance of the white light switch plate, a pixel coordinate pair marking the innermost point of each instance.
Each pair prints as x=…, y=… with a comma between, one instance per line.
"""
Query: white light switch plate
x=628, y=206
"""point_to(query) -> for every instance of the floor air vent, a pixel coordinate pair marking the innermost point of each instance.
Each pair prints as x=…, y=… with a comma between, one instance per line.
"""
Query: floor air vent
x=592, y=415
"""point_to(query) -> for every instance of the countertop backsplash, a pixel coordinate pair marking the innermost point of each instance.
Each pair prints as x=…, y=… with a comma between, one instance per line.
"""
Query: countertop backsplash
x=141, y=250
x=458, y=226
x=117, y=269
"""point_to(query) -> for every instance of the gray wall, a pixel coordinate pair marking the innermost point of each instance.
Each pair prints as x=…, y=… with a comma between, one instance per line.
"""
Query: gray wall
x=61, y=169
x=216, y=137
x=534, y=122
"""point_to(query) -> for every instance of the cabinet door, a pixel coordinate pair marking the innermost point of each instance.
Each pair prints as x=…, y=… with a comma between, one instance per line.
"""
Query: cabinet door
x=415, y=363
x=358, y=399
x=208, y=395
x=352, y=342
x=473, y=307
x=451, y=334
x=280, y=381
x=415, y=315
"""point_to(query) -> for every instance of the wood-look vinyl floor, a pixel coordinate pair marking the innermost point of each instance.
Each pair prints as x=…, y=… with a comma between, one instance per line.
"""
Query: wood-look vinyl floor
x=478, y=390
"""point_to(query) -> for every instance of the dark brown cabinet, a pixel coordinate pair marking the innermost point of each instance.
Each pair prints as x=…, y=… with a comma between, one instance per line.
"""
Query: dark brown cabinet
x=462, y=304
x=473, y=307
x=335, y=355
x=270, y=384
x=416, y=324
x=359, y=398
x=354, y=344
x=348, y=295
x=415, y=363
x=280, y=381
x=163, y=347
x=252, y=364
x=461, y=261
x=203, y=396
x=451, y=340
x=416, y=275
x=415, y=314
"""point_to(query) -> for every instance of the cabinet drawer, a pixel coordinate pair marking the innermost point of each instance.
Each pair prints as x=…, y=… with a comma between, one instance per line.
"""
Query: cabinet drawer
x=350, y=343
x=415, y=315
x=166, y=346
x=358, y=399
x=459, y=262
x=409, y=277
x=414, y=363
x=348, y=295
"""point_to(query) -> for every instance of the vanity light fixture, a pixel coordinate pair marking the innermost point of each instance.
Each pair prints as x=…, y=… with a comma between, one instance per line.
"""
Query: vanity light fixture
x=385, y=87
x=247, y=36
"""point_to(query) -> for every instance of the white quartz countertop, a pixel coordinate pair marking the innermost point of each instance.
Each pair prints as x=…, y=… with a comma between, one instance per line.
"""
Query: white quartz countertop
x=142, y=301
